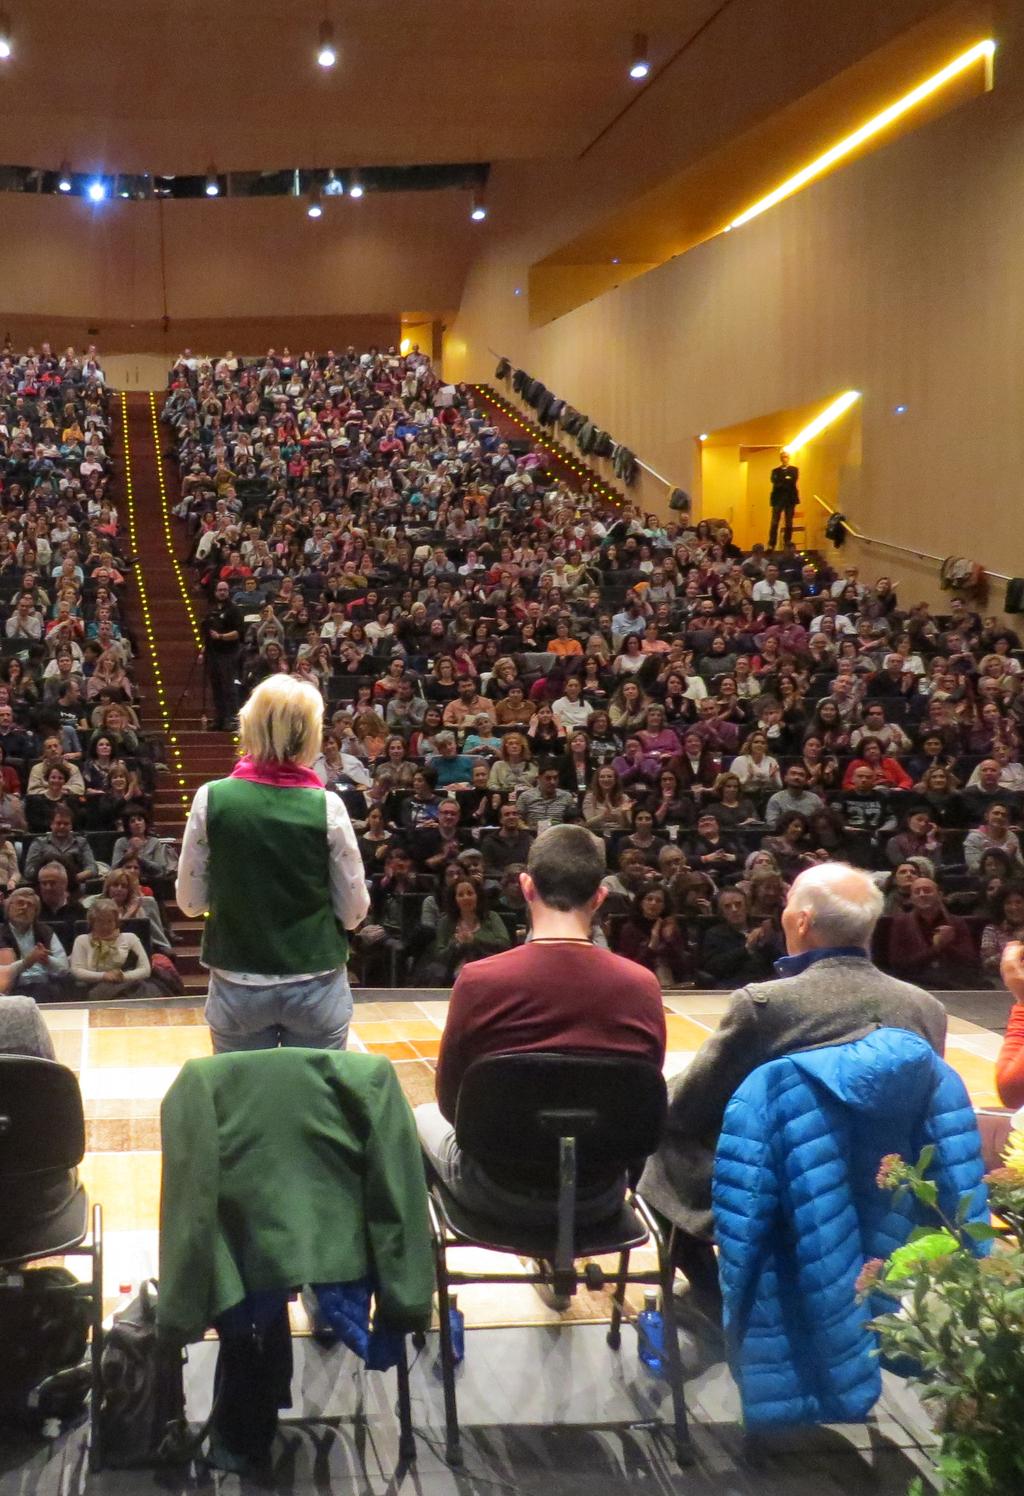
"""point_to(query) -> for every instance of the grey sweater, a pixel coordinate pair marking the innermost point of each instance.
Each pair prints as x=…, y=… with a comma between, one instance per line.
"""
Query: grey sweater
x=833, y=1001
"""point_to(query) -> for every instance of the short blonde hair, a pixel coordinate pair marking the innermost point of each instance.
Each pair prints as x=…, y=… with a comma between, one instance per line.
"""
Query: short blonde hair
x=282, y=721
x=102, y=906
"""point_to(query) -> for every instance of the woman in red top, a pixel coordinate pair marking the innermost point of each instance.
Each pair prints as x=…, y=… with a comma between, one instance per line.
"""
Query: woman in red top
x=892, y=774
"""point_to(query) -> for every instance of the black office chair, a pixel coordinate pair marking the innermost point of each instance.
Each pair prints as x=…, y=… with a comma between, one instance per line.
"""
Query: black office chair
x=45, y=1210
x=582, y=1121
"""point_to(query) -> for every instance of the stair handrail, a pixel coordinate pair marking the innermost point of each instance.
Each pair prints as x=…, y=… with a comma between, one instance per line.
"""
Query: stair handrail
x=906, y=550
x=503, y=358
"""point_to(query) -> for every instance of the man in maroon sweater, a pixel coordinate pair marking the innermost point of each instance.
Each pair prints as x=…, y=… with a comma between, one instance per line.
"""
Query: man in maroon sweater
x=557, y=992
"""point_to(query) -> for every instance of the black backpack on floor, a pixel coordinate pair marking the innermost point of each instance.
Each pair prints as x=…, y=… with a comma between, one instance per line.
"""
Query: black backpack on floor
x=142, y=1411
x=44, y=1332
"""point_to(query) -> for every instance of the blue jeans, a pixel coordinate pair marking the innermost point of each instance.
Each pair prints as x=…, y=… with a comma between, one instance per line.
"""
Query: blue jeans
x=310, y=1014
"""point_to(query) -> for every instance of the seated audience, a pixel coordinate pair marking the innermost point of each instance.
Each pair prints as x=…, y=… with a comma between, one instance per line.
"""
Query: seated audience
x=735, y=949
x=467, y=929
x=930, y=945
x=40, y=964
x=110, y=962
x=651, y=936
x=1005, y=928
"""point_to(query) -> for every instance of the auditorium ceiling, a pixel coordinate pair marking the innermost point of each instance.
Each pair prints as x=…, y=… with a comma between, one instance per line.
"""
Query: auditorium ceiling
x=149, y=86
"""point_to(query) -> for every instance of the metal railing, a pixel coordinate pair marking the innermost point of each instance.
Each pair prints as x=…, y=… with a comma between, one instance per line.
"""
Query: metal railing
x=906, y=550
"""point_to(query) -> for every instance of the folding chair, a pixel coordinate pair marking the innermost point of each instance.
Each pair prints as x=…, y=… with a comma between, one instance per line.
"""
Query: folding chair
x=45, y=1208
x=580, y=1120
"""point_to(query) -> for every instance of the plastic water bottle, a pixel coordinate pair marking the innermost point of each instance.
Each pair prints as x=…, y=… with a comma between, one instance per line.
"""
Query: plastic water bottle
x=651, y=1329
x=457, y=1322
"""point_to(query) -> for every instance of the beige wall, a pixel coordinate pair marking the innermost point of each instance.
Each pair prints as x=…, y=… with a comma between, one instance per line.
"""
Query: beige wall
x=901, y=276
x=225, y=265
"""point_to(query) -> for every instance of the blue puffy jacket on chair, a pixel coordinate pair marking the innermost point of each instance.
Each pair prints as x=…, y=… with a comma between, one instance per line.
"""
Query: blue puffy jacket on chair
x=798, y=1212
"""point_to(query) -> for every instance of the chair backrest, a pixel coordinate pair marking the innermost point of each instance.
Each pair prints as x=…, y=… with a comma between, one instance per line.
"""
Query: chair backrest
x=42, y=1125
x=514, y=1108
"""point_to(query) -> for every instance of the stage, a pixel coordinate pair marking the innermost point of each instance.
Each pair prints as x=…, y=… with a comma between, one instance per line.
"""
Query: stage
x=127, y=1055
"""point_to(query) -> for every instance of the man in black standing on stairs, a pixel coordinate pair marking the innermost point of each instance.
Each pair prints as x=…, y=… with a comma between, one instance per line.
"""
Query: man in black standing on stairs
x=784, y=499
x=222, y=640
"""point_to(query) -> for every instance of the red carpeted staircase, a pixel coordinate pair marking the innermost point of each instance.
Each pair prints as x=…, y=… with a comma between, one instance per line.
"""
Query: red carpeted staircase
x=194, y=755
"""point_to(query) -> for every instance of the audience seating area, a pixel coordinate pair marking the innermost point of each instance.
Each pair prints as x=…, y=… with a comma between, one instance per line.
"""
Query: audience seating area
x=76, y=762
x=485, y=636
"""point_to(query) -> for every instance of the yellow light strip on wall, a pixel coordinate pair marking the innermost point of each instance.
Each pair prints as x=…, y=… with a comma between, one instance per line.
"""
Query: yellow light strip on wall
x=874, y=126
x=821, y=420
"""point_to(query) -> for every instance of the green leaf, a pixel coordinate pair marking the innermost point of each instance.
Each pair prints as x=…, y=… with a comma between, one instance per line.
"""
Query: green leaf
x=925, y=1158
x=982, y=1231
x=927, y=1192
x=930, y=1248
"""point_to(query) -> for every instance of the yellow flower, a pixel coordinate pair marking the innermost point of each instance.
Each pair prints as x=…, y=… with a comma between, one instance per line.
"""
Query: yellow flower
x=1013, y=1154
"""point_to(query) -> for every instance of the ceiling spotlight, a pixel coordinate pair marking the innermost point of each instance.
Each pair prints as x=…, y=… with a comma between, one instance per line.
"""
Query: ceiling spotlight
x=326, y=51
x=96, y=190
x=212, y=184
x=703, y=436
x=315, y=207
x=640, y=62
x=64, y=177
x=334, y=186
x=6, y=47
x=477, y=212
x=356, y=188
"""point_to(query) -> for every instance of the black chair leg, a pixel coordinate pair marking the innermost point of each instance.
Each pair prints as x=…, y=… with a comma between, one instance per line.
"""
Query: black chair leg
x=614, y=1336
x=406, y=1442
x=681, y=1432
x=96, y=1348
x=453, y=1439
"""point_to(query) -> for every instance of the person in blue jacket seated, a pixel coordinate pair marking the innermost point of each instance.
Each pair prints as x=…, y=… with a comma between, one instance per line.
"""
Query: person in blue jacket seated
x=801, y=1209
x=454, y=770
x=828, y=991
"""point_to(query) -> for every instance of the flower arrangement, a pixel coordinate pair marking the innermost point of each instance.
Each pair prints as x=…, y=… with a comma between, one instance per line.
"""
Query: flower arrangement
x=959, y=1288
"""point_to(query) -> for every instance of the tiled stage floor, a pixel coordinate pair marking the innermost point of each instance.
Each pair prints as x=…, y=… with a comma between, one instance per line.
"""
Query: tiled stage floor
x=127, y=1056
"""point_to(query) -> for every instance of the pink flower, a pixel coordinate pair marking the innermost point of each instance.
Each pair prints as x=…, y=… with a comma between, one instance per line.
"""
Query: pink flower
x=891, y=1172
x=869, y=1276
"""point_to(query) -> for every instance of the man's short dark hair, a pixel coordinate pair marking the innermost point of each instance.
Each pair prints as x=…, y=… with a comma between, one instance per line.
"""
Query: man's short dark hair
x=566, y=864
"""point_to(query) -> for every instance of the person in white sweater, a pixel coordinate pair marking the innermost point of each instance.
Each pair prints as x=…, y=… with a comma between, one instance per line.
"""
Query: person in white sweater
x=110, y=961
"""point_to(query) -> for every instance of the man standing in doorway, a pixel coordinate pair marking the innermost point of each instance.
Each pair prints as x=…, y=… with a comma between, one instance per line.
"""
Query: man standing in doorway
x=222, y=638
x=784, y=499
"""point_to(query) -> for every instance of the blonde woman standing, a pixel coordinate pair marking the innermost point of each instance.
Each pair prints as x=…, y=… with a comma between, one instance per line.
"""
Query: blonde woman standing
x=272, y=858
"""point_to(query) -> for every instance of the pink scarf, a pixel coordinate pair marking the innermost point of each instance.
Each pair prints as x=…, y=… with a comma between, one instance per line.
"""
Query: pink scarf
x=286, y=776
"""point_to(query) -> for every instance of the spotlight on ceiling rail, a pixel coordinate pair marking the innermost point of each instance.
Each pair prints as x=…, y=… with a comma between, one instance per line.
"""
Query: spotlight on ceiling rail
x=314, y=207
x=64, y=177
x=478, y=211
x=6, y=45
x=640, y=61
x=212, y=188
x=356, y=188
x=326, y=51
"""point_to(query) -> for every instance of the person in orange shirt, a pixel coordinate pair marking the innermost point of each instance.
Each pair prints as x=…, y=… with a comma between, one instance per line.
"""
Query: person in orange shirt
x=1010, y=1064
x=562, y=644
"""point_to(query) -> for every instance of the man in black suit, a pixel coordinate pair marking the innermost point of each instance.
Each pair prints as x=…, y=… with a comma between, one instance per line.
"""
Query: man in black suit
x=784, y=499
x=222, y=641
